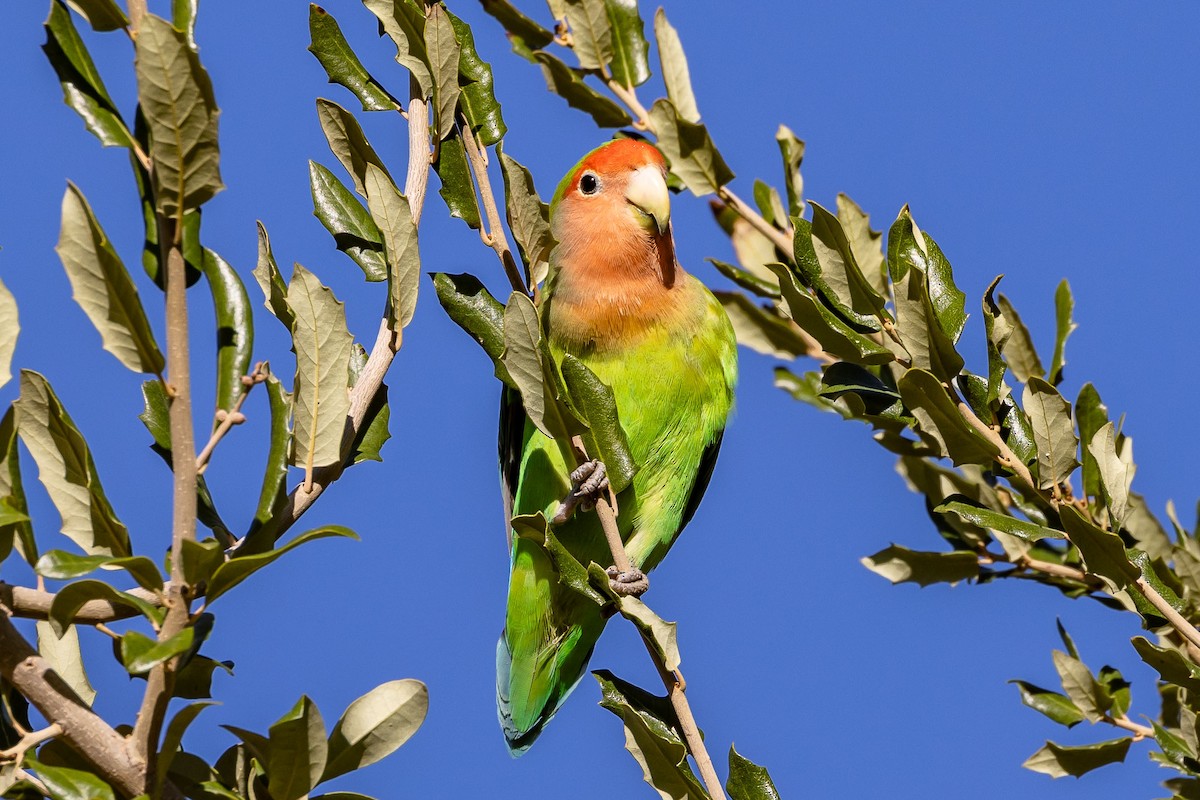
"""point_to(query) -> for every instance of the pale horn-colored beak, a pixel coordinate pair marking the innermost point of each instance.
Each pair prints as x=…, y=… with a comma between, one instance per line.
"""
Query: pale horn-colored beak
x=647, y=192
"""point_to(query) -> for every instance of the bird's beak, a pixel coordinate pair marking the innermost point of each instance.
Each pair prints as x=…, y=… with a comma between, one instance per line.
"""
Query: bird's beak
x=647, y=192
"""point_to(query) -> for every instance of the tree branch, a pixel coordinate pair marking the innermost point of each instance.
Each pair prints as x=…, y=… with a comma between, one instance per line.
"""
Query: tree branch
x=494, y=237
x=35, y=604
x=233, y=416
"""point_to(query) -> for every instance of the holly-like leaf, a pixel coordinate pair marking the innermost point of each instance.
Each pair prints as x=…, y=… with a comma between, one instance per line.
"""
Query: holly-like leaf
x=834, y=335
x=1058, y=761
x=939, y=417
x=353, y=230
x=569, y=85
x=900, y=565
x=341, y=64
x=1056, y=706
x=532, y=35
x=747, y=780
x=994, y=520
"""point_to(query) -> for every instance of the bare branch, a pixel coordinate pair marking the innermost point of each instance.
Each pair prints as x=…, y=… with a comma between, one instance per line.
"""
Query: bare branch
x=494, y=237
x=35, y=604
x=233, y=416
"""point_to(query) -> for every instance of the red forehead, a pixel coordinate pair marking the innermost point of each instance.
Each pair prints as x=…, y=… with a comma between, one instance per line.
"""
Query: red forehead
x=620, y=154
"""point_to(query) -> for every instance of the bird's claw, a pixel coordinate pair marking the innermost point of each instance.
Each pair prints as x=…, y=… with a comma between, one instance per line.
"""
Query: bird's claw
x=633, y=583
x=587, y=481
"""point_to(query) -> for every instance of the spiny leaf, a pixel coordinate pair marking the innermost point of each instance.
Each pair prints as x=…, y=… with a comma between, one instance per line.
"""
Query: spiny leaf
x=472, y=307
x=899, y=565
x=341, y=64
x=568, y=84
x=177, y=100
x=911, y=248
x=353, y=230
x=103, y=288
x=69, y=599
x=1058, y=760
x=1090, y=415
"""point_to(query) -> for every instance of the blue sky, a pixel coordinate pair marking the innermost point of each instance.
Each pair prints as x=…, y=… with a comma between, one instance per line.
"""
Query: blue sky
x=1042, y=141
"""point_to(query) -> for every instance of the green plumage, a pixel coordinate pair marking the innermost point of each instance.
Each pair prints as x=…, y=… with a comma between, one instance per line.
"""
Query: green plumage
x=674, y=391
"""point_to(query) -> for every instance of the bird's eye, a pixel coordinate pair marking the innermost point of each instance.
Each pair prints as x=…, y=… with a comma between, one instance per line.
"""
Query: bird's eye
x=589, y=183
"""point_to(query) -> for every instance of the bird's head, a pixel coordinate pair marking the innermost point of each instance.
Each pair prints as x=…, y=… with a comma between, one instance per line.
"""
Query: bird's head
x=612, y=211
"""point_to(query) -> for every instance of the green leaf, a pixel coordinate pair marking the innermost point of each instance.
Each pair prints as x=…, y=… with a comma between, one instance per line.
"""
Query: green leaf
x=792, y=151
x=652, y=737
x=810, y=257
x=568, y=84
x=83, y=88
x=183, y=17
x=900, y=565
x=61, y=651
x=375, y=725
x=746, y=279
x=66, y=469
x=1064, y=304
x=140, y=653
x=928, y=345
x=840, y=268
x=347, y=141
x=103, y=288
x=570, y=572
x=1018, y=350
x=322, y=346
x=747, y=780
x=994, y=520
x=1103, y=552
x=404, y=24
x=1091, y=415
x=341, y=64
x=1117, y=689
x=865, y=243
x=269, y=279
x=390, y=210
x=998, y=329
x=630, y=62
x=1050, y=417
x=200, y=560
x=353, y=230
x=532, y=35
x=238, y=568
x=1081, y=686
x=441, y=45
x=64, y=783
x=457, y=190
x=235, y=329
x=830, y=330
x=591, y=34
x=1170, y=664
x=194, y=680
x=525, y=357
x=1052, y=704
x=15, y=528
x=689, y=149
x=675, y=73
x=1116, y=474
x=102, y=15
x=472, y=307
x=605, y=437
x=69, y=599
x=658, y=632
x=373, y=432
x=1058, y=761
x=173, y=740
x=528, y=218
x=181, y=112
x=477, y=100
x=939, y=417
x=842, y=378
x=760, y=329
x=297, y=752
x=910, y=248
x=61, y=565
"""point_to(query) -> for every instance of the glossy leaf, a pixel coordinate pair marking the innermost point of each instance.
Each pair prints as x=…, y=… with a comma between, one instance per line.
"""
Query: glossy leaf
x=675, y=72
x=840, y=268
x=457, y=190
x=528, y=218
x=238, y=568
x=1018, y=350
x=472, y=307
x=532, y=35
x=998, y=329
x=375, y=725
x=1050, y=417
x=181, y=112
x=928, y=345
x=69, y=599
x=865, y=243
x=103, y=288
x=173, y=740
x=900, y=565
x=994, y=520
x=183, y=17
x=832, y=332
x=66, y=469
x=605, y=437
x=791, y=149
x=761, y=330
x=747, y=780
x=441, y=46
x=525, y=358
x=939, y=417
x=404, y=24
x=347, y=140
x=353, y=230
x=1170, y=664
x=652, y=737
x=140, y=653
x=65, y=783
x=235, y=329
x=570, y=573
x=591, y=33
x=64, y=566
x=201, y=559
x=1103, y=552
x=630, y=64
x=269, y=279
x=390, y=210
x=910, y=248
x=373, y=432
x=1056, y=706
x=1058, y=761
x=477, y=100
x=1064, y=304
x=689, y=149
x=14, y=531
x=341, y=64
x=1115, y=474
x=1081, y=686
x=83, y=88
x=1090, y=415
x=746, y=279
x=322, y=346
x=61, y=651
x=568, y=84
x=297, y=753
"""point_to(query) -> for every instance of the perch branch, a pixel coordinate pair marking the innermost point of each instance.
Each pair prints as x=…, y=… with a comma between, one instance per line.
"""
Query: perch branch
x=494, y=237
x=35, y=604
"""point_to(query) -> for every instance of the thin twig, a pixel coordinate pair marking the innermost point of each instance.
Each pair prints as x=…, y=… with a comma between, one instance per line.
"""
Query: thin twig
x=233, y=416
x=1139, y=731
x=494, y=237
x=779, y=238
x=30, y=739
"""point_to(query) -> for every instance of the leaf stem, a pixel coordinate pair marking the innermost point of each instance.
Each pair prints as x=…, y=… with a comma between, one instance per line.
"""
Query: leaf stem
x=28, y=740
x=232, y=417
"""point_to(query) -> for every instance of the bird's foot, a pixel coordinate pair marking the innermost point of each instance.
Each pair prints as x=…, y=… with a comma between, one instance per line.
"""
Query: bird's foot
x=587, y=481
x=633, y=583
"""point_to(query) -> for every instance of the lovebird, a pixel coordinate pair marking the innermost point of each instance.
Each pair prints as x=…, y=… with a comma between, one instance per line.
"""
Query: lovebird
x=615, y=298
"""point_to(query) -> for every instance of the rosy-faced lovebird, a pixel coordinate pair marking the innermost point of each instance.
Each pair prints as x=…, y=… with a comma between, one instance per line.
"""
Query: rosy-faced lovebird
x=616, y=299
